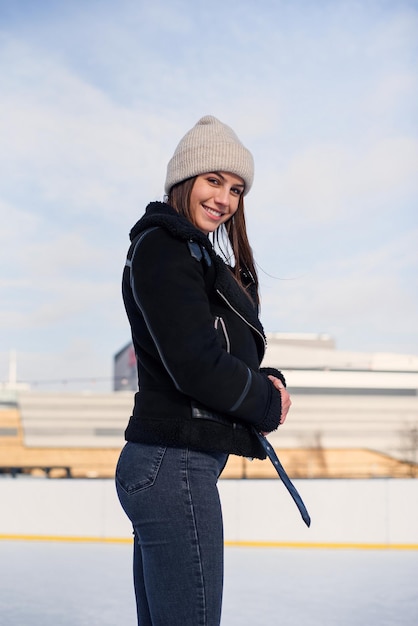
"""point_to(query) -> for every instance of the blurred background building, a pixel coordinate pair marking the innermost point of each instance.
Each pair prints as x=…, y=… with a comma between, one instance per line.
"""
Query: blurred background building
x=353, y=415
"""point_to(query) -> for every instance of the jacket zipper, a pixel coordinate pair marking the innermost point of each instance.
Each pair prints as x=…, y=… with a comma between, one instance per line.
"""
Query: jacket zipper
x=243, y=319
x=219, y=321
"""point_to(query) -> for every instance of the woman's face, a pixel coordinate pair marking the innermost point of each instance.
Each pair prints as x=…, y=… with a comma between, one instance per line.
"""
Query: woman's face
x=214, y=199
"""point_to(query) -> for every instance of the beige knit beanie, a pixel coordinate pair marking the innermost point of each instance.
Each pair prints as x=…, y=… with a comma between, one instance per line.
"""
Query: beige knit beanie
x=210, y=146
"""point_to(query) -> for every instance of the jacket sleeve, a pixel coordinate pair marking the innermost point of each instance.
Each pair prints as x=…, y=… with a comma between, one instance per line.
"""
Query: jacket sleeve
x=272, y=371
x=169, y=288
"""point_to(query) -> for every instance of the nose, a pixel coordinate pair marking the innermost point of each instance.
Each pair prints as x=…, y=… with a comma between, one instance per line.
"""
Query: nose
x=222, y=196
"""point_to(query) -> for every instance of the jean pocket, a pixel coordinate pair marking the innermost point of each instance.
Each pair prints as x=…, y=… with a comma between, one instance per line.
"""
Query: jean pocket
x=138, y=466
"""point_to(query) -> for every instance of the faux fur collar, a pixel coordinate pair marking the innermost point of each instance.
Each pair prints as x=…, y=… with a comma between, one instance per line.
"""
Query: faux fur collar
x=163, y=215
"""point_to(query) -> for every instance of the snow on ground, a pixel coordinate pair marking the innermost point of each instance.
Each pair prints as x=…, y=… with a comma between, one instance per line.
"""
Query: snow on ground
x=89, y=584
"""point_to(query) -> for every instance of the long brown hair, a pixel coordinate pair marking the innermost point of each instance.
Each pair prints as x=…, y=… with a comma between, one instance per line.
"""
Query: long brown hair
x=234, y=231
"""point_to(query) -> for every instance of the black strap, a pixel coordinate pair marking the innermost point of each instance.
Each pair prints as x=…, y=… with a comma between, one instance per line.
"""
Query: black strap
x=285, y=478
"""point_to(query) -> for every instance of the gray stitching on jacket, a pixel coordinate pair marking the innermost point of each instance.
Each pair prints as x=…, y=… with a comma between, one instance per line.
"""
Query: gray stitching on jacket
x=129, y=263
x=245, y=391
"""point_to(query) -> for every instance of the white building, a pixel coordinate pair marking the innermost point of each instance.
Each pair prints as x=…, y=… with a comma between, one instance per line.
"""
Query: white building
x=349, y=400
x=343, y=404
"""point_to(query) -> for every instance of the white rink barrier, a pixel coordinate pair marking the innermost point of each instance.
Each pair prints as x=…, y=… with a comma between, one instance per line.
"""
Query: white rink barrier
x=376, y=513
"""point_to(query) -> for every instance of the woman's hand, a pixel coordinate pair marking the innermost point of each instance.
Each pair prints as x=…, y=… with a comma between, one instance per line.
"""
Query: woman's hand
x=286, y=402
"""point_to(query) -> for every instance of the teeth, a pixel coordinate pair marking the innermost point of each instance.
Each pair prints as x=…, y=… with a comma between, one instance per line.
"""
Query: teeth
x=213, y=211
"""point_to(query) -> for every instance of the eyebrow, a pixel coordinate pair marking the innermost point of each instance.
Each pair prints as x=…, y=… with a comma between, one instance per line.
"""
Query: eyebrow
x=223, y=178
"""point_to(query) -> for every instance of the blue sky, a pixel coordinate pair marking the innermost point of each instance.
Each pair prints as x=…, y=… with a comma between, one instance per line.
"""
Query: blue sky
x=94, y=96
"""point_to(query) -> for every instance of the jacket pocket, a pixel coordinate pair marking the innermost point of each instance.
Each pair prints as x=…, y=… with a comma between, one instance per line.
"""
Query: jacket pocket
x=138, y=466
x=220, y=326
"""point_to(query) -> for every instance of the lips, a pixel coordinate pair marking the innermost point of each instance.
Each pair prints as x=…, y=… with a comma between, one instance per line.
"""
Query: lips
x=212, y=212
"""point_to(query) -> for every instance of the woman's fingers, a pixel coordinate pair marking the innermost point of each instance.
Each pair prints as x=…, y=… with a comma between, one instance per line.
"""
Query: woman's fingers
x=286, y=404
x=286, y=401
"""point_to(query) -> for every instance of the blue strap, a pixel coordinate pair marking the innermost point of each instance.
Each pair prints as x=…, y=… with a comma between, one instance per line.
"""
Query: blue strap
x=285, y=478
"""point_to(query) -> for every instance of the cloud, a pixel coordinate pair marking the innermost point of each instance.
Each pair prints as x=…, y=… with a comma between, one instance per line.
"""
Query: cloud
x=93, y=101
x=67, y=140
x=364, y=300
x=82, y=365
x=327, y=181
x=392, y=93
x=50, y=304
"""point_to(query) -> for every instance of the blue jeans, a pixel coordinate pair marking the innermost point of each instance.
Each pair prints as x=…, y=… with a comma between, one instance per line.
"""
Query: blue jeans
x=171, y=497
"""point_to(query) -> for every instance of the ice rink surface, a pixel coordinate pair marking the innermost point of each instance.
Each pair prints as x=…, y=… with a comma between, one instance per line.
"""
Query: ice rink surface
x=89, y=584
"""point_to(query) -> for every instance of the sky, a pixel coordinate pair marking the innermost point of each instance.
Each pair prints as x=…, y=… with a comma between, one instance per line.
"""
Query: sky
x=96, y=94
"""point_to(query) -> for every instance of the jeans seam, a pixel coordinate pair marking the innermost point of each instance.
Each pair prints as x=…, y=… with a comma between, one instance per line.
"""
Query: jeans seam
x=195, y=536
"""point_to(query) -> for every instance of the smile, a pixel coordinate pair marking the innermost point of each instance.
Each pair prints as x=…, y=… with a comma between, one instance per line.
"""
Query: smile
x=212, y=212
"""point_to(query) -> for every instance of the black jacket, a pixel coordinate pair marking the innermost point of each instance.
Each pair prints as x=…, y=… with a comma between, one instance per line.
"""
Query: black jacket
x=198, y=343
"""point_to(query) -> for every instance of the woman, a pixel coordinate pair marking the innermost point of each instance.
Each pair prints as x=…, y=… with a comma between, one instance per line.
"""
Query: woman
x=199, y=344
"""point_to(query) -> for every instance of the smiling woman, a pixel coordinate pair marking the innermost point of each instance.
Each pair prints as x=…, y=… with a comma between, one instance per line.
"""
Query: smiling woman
x=202, y=395
x=214, y=199
x=194, y=179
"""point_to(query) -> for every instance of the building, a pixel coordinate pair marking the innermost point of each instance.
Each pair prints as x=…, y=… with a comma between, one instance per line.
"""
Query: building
x=353, y=415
